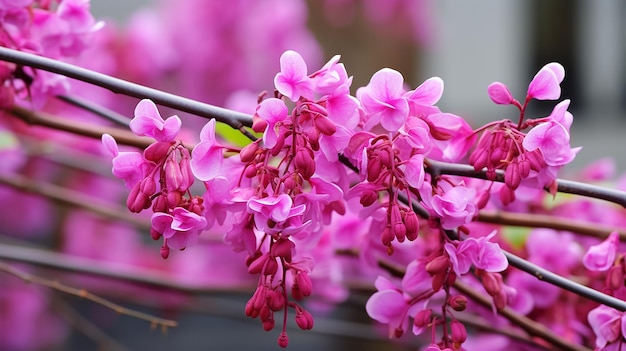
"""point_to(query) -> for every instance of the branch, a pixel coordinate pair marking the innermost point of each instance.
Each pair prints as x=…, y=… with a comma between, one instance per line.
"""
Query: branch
x=544, y=221
x=29, y=278
x=564, y=186
x=64, y=262
x=95, y=109
x=71, y=198
x=122, y=136
x=524, y=322
x=234, y=119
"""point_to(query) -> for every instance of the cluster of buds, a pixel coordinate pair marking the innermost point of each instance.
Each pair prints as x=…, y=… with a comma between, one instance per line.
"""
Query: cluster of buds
x=160, y=179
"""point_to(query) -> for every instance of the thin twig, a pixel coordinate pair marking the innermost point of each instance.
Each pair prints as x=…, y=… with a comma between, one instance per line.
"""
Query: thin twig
x=563, y=186
x=143, y=276
x=71, y=198
x=85, y=326
x=30, y=278
x=95, y=109
x=545, y=221
x=524, y=322
x=234, y=119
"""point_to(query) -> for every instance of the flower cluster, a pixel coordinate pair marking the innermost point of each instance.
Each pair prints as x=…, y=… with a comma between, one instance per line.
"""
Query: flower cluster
x=56, y=29
x=160, y=178
x=527, y=157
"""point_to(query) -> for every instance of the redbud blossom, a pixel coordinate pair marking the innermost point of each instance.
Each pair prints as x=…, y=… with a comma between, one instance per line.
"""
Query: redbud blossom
x=600, y=257
x=500, y=94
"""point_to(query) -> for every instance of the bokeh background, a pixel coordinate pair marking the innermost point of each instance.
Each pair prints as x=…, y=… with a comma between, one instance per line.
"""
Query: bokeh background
x=469, y=45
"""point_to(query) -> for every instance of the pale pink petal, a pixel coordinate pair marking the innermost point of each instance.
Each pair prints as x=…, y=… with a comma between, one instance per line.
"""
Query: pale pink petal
x=429, y=92
x=546, y=83
x=499, y=93
x=385, y=306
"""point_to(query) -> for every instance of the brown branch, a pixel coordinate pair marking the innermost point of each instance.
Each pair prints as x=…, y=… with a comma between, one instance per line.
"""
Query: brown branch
x=55, y=285
x=122, y=136
x=69, y=197
x=550, y=222
x=530, y=326
x=70, y=263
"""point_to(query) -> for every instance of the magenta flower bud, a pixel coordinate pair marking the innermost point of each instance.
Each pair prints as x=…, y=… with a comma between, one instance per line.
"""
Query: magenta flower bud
x=439, y=265
x=500, y=94
x=524, y=166
x=615, y=278
x=304, y=163
x=387, y=236
x=423, y=318
x=187, y=174
x=399, y=231
x=259, y=298
x=173, y=175
x=411, y=223
x=501, y=300
x=283, y=340
x=459, y=334
x=368, y=197
x=157, y=151
x=491, y=283
x=256, y=266
x=507, y=195
x=483, y=198
x=248, y=152
x=147, y=186
x=318, y=108
x=535, y=159
x=250, y=171
x=384, y=155
x=165, y=251
x=304, y=319
x=268, y=324
x=271, y=267
x=479, y=158
x=497, y=155
x=265, y=313
x=280, y=142
x=438, y=280
x=137, y=201
x=283, y=248
x=512, y=178
x=155, y=234
x=303, y=281
x=458, y=302
x=325, y=125
x=374, y=166
x=174, y=198
x=258, y=124
x=275, y=300
x=160, y=203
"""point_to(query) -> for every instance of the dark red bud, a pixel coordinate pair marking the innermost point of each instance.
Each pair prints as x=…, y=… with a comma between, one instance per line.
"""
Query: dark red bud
x=325, y=125
x=458, y=302
x=157, y=151
x=439, y=265
x=248, y=152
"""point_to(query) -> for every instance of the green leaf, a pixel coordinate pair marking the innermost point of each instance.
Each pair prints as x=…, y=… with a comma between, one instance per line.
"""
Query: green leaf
x=233, y=136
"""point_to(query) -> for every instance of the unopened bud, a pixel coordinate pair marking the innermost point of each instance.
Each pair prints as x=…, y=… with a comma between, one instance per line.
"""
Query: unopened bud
x=283, y=248
x=423, y=318
x=304, y=284
x=459, y=334
x=283, y=340
x=325, y=125
x=258, y=124
x=173, y=175
x=368, y=197
x=387, y=236
x=248, y=152
x=137, y=201
x=512, y=178
x=458, y=302
x=492, y=284
x=165, y=251
x=304, y=163
x=304, y=319
x=275, y=300
x=374, y=167
x=439, y=265
x=411, y=222
x=157, y=151
x=507, y=196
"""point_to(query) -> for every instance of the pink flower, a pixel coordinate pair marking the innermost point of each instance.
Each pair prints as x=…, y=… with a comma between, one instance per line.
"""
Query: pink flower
x=292, y=81
x=455, y=207
x=393, y=306
x=129, y=166
x=428, y=93
x=607, y=323
x=414, y=171
x=276, y=214
x=272, y=111
x=148, y=122
x=207, y=156
x=383, y=100
x=480, y=252
x=546, y=83
x=600, y=258
x=500, y=94
x=553, y=138
x=180, y=228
